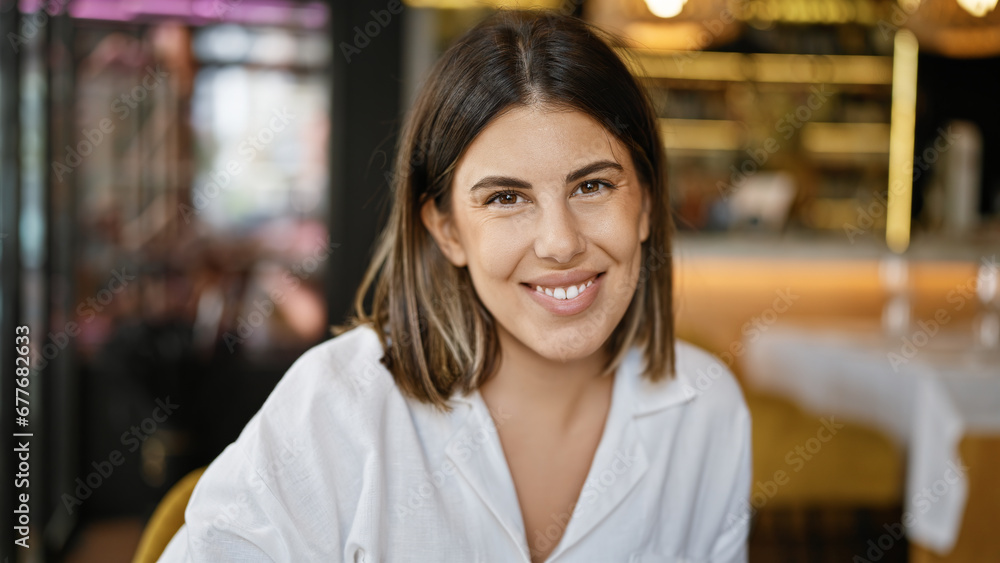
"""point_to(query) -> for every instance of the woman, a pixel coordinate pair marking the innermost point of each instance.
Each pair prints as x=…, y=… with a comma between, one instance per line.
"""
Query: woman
x=513, y=393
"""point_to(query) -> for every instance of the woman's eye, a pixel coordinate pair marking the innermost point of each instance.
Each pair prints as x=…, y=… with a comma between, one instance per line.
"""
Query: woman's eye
x=505, y=198
x=593, y=186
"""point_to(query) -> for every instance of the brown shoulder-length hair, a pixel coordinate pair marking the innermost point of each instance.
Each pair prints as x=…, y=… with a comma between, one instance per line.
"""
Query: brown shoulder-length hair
x=437, y=335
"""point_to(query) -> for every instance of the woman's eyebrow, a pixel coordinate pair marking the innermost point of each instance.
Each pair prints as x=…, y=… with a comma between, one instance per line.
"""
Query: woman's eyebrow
x=591, y=168
x=500, y=182
x=508, y=182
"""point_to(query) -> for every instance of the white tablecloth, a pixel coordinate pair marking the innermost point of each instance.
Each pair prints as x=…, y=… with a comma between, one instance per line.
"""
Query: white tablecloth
x=926, y=402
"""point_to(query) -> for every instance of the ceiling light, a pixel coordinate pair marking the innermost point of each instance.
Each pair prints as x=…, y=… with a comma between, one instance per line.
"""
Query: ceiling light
x=978, y=8
x=670, y=8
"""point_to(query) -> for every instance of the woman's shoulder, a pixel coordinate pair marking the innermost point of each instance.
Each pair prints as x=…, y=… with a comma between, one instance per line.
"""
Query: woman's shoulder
x=706, y=376
x=337, y=383
x=292, y=471
x=347, y=367
x=348, y=364
x=701, y=411
x=701, y=383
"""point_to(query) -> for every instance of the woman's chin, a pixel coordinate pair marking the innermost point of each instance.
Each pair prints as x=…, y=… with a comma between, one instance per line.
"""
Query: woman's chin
x=566, y=350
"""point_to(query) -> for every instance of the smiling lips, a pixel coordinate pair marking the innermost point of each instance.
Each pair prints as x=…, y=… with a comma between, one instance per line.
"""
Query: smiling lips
x=564, y=300
x=570, y=292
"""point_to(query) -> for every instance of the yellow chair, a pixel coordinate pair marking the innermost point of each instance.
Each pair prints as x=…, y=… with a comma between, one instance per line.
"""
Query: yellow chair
x=166, y=520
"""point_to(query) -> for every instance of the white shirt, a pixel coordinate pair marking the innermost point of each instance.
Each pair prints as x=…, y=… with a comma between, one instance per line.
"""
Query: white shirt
x=338, y=465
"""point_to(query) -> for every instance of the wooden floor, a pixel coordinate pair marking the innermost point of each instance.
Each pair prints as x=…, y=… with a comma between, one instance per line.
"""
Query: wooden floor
x=825, y=535
x=107, y=541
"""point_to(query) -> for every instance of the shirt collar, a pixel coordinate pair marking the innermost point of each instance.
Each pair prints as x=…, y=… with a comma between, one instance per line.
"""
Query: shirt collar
x=644, y=396
x=476, y=453
x=653, y=396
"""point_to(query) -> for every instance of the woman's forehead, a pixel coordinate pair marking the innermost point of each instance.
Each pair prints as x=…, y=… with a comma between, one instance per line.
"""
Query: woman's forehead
x=540, y=142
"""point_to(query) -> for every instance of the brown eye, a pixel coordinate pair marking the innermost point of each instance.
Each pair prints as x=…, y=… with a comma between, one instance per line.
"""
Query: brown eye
x=503, y=198
x=590, y=187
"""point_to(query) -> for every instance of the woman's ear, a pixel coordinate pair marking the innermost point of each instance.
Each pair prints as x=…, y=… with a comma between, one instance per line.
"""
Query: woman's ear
x=441, y=228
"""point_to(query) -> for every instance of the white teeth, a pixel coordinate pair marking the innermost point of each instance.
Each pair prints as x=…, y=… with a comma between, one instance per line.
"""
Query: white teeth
x=561, y=293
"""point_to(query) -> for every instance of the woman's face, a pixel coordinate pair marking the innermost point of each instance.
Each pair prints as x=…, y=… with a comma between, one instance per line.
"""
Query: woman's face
x=548, y=214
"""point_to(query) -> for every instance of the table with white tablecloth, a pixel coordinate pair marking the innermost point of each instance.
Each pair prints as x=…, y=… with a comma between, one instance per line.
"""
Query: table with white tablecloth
x=924, y=390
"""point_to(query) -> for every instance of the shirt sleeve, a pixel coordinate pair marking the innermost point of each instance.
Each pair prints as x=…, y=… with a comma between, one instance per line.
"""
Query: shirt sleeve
x=289, y=489
x=731, y=545
x=232, y=517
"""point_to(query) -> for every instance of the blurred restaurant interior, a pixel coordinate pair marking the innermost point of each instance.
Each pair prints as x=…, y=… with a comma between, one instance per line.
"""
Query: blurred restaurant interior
x=166, y=165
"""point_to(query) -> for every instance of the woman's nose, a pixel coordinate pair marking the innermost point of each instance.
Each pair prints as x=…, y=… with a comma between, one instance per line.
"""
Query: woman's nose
x=558, y=235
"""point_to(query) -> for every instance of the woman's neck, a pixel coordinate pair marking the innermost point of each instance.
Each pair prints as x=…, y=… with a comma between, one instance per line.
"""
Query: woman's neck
x=551, y=391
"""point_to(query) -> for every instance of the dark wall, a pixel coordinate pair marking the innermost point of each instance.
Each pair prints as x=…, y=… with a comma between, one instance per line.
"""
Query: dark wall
x=367, y=70
x=967, y=89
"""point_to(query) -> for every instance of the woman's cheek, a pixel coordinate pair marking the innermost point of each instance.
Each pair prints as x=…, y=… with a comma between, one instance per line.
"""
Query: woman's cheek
x=500, y=246
x=616, y=230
